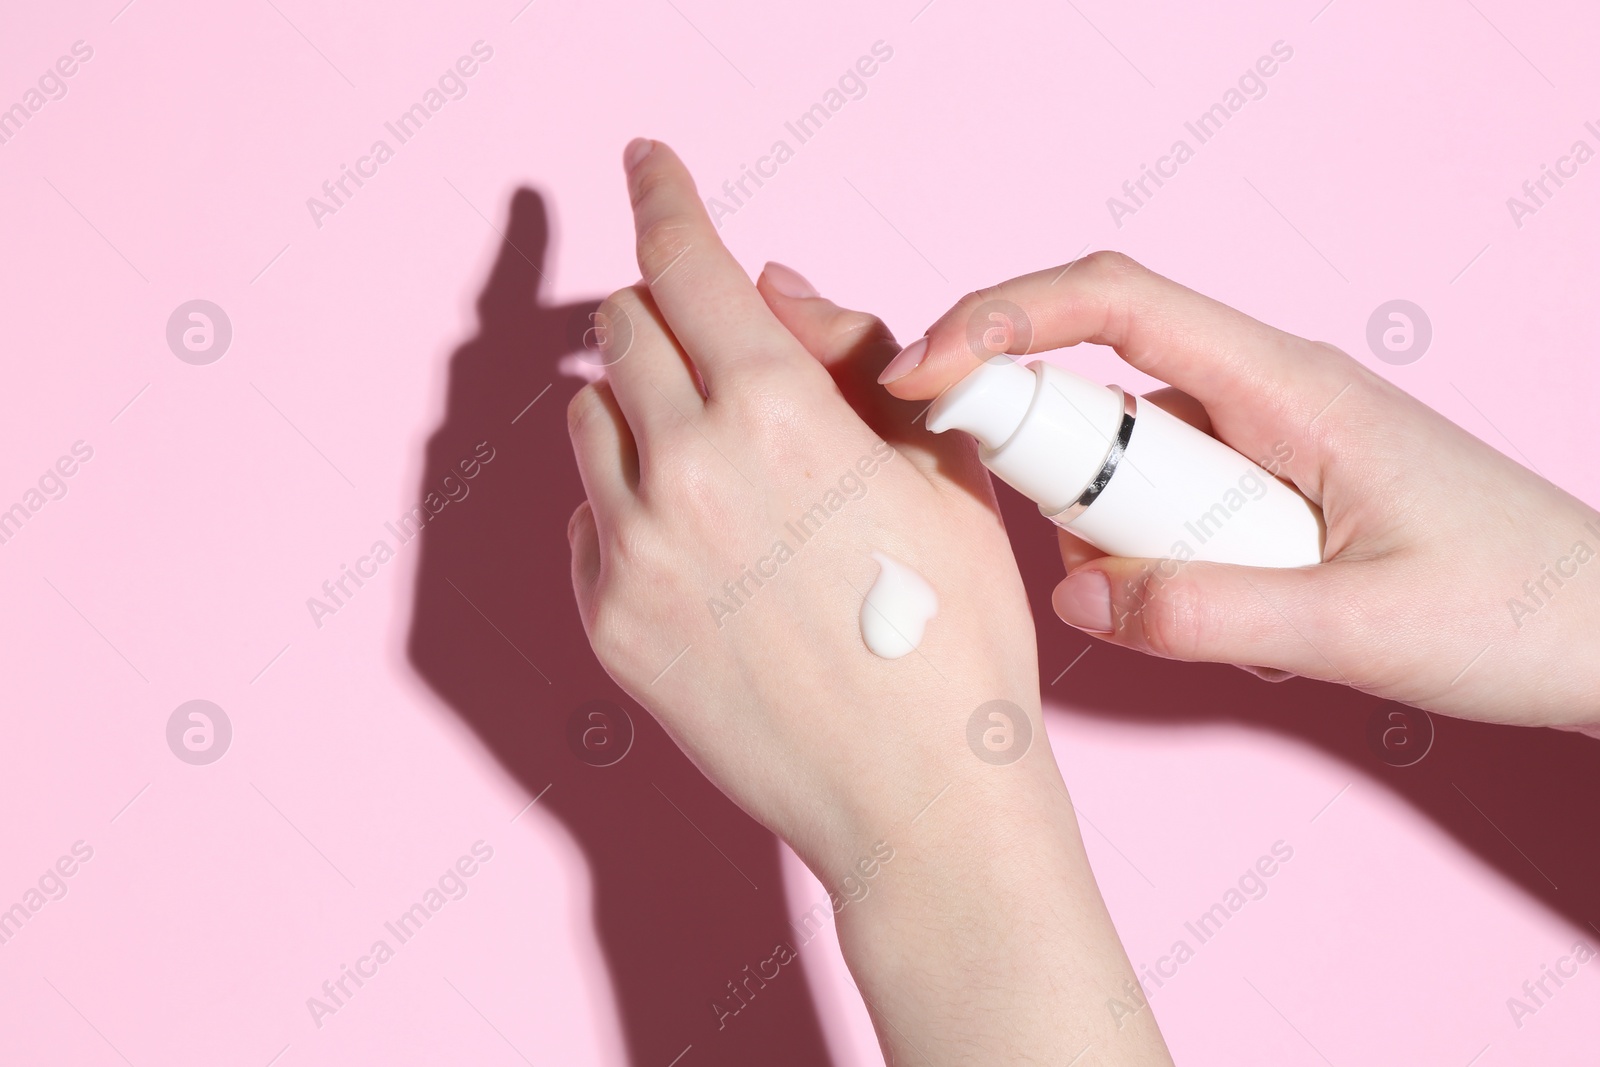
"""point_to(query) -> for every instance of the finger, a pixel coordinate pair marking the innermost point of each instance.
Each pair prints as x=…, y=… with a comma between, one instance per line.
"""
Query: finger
x=1075, y=551
x=584, y=539
x=704, y=295
x=608, y=460
x=1266, y=674
x=851, y=345
x=1287, y=619
x=1231, y=363
x=854, y=346
x=1179, y=403
x=832, y=334
x=653, y=380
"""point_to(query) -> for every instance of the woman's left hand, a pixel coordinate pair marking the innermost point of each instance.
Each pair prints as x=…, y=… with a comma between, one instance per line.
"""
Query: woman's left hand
x=741, y=466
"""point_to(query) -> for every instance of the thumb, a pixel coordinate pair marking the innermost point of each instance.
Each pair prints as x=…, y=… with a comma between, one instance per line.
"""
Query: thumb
x=855, y=347
x=835, y=336
x=1283, y=618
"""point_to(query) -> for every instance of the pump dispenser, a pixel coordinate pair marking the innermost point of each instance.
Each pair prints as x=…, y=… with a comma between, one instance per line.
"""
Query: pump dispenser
x=1124, y=475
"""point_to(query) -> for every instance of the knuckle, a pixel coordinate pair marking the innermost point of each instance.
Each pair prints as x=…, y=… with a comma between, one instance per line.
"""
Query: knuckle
x=1167, y=613
x=774, y=407
x=1109, y=263
x=957, y=323
x=648, y=183
x=617, y=322
x=1163, y=626
x=584, y=405
x=851, y=328
x=628, y=551
x=631, y=547
x=662, y=241
x=582, y=516
x=703, y=494
x=975, y=299
x=700, y=486
x=625, y=302
x=609, y=628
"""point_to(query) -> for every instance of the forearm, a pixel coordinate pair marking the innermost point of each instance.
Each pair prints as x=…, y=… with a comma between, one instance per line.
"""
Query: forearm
x=986, y=941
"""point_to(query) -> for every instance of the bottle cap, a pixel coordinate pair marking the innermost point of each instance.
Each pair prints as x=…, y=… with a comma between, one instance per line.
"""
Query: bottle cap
x=1043, y=430
x=990, y=403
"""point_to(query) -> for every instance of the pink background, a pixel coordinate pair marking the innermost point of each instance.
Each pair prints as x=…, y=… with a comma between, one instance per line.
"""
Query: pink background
x=372, y=752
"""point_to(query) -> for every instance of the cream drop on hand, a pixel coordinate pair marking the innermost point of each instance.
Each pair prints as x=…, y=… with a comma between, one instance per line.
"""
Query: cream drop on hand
x=896, y=610
x=1124, y=475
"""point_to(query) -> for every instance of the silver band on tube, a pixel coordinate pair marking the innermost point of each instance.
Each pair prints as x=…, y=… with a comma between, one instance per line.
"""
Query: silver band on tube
x=1113, y=458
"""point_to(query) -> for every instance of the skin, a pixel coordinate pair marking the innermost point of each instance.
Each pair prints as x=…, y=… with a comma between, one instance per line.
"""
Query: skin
x=728, y=409
x=1431, y=532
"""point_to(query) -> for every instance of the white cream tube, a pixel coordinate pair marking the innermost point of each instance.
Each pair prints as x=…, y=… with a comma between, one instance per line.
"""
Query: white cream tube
x=1124, y=475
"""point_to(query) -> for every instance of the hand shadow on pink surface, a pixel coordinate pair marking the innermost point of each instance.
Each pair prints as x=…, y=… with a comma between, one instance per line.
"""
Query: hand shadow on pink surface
x=1524, y=801
x=688, y=894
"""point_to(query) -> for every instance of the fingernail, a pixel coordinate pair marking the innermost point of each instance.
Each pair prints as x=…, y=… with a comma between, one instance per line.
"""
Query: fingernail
x=788, y=281
x=908, y=360
x=634, y=154
x=1084, y=600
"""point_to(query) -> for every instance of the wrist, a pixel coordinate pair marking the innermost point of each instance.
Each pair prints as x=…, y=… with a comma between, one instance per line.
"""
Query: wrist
x=976, y=845
x=985, y=932
x=951, y=779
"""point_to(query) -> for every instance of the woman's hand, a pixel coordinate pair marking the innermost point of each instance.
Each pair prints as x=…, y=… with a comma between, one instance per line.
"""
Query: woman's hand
x=741, y=465
x=1453, y=579
x=734, y=500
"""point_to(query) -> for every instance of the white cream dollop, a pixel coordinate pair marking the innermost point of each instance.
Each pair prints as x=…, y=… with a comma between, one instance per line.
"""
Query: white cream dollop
x=896, y=609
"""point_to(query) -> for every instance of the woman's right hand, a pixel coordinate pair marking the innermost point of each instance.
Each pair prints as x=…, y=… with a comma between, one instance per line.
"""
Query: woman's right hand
x=1453, y=578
